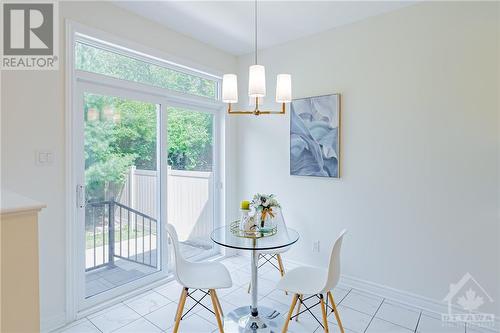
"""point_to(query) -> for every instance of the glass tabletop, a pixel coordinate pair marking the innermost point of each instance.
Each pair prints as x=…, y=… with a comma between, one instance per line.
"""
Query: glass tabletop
x=284, y=237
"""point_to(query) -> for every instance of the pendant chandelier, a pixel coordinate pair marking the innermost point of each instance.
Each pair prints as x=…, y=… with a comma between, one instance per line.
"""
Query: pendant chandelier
x=256, y=86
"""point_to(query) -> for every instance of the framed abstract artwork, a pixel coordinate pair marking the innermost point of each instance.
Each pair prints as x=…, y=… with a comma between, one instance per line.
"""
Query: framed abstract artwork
x=315, y=136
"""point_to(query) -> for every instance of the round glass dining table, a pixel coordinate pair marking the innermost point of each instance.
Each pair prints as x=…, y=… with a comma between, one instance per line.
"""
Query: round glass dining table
x=253, y=318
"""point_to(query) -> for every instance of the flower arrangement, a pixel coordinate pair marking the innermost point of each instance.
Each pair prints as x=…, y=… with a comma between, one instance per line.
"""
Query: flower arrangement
x=263, y=205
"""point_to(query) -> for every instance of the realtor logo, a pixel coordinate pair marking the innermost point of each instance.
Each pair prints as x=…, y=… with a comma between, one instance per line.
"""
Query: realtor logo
x=29, y=35
x=465, y=299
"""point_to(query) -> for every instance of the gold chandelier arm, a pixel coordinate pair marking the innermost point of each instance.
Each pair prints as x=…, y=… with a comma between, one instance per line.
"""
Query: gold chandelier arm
x=256, y=112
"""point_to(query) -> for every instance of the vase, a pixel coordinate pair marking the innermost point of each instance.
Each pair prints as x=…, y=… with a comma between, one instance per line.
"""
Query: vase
x=267, y=223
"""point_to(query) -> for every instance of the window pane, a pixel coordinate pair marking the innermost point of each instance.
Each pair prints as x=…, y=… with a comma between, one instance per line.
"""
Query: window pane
x=190, y=140
x=96, y=60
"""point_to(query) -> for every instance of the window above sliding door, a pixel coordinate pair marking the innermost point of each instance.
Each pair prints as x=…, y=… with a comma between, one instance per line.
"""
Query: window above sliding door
x=128, y=65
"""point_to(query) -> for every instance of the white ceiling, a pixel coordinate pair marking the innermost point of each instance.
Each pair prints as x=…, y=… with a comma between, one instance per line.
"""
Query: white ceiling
x=229, y=25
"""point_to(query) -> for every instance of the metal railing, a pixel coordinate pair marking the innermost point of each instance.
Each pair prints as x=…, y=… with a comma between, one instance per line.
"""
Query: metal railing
x=114, y=230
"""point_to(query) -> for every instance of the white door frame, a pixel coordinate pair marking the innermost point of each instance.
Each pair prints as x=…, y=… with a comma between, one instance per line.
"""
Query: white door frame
x=75, y=79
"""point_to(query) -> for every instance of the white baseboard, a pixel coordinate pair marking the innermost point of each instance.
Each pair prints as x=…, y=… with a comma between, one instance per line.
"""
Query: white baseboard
x=406, y=298
x=50, y=323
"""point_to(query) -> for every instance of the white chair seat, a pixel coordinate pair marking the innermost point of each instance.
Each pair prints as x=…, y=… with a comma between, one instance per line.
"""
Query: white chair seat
x=204, y=275
x=304, y=280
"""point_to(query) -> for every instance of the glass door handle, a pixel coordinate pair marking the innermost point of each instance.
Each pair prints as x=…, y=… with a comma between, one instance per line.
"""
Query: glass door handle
x=80, y=196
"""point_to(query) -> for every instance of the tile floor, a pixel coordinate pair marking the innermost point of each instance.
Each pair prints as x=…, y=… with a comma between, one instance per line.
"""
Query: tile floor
x=360, y=312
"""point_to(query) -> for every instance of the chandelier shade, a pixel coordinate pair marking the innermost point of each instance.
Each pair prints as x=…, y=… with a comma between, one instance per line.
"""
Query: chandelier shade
x=256, y=81
x=230, y=88
x=284, y=88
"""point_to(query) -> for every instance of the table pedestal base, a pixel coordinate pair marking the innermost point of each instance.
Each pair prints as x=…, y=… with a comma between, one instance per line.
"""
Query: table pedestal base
x=241, y=320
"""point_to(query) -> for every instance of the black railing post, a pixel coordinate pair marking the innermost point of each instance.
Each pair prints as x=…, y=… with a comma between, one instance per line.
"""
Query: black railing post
x=111, y=228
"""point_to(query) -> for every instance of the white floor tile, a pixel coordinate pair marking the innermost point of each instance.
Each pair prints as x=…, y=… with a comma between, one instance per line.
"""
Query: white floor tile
x=239, y=297
x=272, y=304
x=194, y=324
x=431, y=325
x=207, y=315
x=362, y=302
x=164, y=316
x=382, y=326
x=272, y=277
x=240, y=277
x=140, y=325
x=339, y=294
x=264, y=287
x=171, y=290
x=399, y=314
x=115, y=318
x=147, y=303
x=80, y=326
x=306, y=323
x=225, y=291
x=280, y=296
x=351, y=319
x=100, y=312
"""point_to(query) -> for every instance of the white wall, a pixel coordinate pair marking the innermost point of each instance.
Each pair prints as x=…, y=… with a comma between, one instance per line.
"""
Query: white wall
x=33, y=118
x=419, y=147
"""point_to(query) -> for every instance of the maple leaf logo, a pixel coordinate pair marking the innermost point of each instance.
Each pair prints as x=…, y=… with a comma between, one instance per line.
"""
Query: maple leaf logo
x=470, y=301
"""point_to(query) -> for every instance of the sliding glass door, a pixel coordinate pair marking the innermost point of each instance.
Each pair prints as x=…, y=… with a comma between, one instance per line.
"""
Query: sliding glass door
x=120, y=191
x=191, y=179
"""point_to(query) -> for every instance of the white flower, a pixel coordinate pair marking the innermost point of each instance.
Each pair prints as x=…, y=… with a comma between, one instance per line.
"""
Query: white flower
x=263, y=201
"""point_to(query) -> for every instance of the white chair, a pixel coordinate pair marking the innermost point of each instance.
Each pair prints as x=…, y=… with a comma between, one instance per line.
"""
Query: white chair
x=203, y=277
x=317, y=282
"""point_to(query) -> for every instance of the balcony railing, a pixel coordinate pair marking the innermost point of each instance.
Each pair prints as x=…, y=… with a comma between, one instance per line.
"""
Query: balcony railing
x=114, y=230
x=126, y=228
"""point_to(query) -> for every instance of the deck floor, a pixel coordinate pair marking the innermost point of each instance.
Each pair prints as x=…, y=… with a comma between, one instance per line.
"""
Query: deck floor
x=124, y=271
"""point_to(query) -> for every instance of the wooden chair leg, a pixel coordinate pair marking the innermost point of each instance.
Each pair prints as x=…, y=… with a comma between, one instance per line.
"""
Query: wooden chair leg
x=323, y=312
x=216, y=310
x=290, y=312
x=180, y=309
x=298, y=307
x=336, y=312
x=281, y=268
x=280, y=264
x=218, y=304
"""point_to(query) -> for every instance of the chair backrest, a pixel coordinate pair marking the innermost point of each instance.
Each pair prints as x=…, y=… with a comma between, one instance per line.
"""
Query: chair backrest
x=179, y=260
x=334, y=265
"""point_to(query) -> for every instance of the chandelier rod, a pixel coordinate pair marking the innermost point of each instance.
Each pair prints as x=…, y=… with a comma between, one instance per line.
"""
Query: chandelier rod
x=255, y=31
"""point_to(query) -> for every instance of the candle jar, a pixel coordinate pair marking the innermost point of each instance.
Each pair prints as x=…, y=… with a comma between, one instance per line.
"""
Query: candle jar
x=245, y=220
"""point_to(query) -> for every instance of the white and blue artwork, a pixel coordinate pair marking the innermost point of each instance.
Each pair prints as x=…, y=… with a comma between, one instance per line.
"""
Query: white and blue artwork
x=314, y=136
